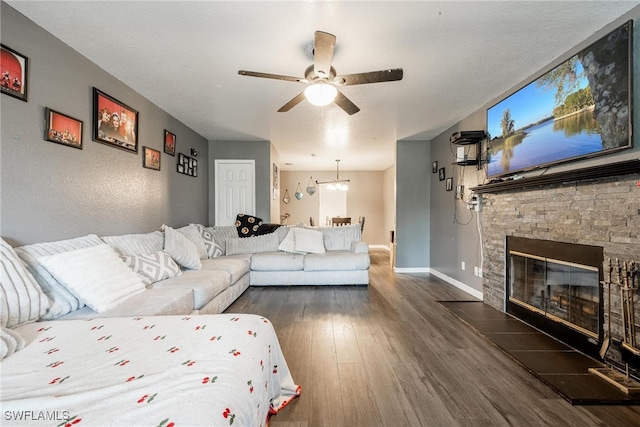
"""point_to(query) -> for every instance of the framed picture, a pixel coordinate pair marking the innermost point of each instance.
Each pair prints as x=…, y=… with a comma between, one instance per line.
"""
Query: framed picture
x=63, y=129
x=276, y=175
x=449, y=184
x=114, y=123
x=15, y=73
x=434, y=167
x=187, y=165
x=151, y=158
x=441, y=175
x=169, y=143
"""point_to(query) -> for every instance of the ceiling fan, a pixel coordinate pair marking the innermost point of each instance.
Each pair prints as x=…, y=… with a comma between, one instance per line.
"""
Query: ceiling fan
x=323, y=80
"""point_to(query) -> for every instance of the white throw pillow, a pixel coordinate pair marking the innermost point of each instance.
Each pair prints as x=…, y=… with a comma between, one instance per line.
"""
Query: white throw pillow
x=153, y=267
x=192, y=233
x=96, y=275
x=288, y=244
x=23, y=300
x=181, y=249
x=308, y=241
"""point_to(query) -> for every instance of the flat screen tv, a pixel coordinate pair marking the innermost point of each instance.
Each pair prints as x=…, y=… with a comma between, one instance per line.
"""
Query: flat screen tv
x=581, y=108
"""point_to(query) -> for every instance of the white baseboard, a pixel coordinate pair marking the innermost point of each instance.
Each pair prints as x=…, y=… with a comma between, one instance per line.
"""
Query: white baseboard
x=380, y=247
x=412, y=270
x=466, y=288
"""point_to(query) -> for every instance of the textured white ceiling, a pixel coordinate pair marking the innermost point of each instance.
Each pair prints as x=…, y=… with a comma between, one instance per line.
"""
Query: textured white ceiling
x=456, y=55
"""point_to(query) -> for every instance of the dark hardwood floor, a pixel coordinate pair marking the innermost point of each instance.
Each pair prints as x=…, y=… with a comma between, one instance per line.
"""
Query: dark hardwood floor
x=390, y=355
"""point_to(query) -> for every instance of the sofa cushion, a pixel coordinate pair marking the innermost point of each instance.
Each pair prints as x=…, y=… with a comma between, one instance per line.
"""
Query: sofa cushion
x=136, y=244
x=153, y=267
x=235, y=266
x=336, y=261
x=247, y=225
x=181, y=249
x=24, y=301
x=61, y=300
x=96, y=275
x=252, y=245
x=277, y=261
x=205, y=284
x=151, y=302
x=340, y=238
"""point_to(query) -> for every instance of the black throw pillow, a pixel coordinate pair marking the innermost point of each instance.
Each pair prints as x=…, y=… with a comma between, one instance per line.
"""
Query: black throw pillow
x=247, y=225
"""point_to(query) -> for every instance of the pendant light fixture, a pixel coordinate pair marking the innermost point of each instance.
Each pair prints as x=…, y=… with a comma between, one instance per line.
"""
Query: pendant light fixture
x=336, y=184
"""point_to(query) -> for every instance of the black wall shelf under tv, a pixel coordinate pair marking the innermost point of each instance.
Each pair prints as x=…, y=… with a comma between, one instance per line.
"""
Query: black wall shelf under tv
x=474, y=137
x=624, y=167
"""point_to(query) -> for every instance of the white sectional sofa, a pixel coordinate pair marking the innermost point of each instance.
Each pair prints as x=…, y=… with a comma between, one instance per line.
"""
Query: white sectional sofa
x=191, y=270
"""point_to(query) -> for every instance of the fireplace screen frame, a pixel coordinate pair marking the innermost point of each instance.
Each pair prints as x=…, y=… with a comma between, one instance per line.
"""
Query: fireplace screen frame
x=570, y=254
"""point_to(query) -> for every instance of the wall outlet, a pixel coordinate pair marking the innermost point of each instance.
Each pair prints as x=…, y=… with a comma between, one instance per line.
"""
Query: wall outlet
x=462, y=265
x=475, y=270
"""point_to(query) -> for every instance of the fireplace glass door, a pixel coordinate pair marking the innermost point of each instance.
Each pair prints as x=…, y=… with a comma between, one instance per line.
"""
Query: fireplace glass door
x=563, y=291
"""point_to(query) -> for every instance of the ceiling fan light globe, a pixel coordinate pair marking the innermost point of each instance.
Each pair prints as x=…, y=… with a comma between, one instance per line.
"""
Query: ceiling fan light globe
x=320, y=94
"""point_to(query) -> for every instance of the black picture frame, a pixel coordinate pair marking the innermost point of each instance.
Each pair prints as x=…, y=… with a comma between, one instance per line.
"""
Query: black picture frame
x=441, y=174
x=434, y=166
x=151, y=158
x=106, y=112
x=62, y=129
x=14, y=77
x=169, y=143
x=449, y=185
x=187, y=165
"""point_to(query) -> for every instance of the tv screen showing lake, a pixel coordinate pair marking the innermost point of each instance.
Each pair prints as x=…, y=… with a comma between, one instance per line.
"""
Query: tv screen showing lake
x=548, y=142
x=580, y=108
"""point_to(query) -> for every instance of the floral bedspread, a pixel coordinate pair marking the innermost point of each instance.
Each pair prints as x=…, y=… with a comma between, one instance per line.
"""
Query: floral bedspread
x=213, y=370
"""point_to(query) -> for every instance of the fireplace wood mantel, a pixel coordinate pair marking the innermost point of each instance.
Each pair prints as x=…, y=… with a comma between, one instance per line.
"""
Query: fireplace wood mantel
x=593, y=172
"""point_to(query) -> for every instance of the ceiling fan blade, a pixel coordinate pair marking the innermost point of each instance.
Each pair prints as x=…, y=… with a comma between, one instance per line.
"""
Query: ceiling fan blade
x=345, y=103
x=295, y=101
x=272, y=76
x=324, y=46
x=370, y=77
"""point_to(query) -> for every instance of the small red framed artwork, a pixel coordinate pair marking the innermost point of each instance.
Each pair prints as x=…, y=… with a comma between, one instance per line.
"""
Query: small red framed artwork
x=151, y=158
x=14, y=73
x=63, y=129
x=169, y=143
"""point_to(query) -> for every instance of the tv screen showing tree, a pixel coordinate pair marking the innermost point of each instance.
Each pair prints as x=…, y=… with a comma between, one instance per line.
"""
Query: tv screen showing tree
x=579, y=109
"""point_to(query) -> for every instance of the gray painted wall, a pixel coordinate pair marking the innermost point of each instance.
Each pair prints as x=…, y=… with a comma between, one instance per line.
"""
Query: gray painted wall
x=452, y=243
x=413, y=213
x=454, y=228
x=260, y=151
x=50, y=191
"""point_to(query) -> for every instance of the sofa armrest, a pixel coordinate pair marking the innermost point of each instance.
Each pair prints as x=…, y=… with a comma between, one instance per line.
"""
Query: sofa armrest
x=359, y=247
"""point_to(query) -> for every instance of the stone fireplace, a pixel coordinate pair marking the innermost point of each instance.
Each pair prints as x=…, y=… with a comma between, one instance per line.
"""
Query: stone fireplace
x=603, y=212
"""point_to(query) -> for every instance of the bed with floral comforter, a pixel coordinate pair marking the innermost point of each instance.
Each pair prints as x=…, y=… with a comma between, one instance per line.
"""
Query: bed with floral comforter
x=216, y=370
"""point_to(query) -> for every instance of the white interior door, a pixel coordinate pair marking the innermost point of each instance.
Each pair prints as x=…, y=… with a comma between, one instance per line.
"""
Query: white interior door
x=235, y=190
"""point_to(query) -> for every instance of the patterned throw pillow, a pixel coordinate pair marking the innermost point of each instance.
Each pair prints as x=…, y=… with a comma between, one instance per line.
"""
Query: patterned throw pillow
x=247, y=225
x=214, y=250
x=153, y=267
